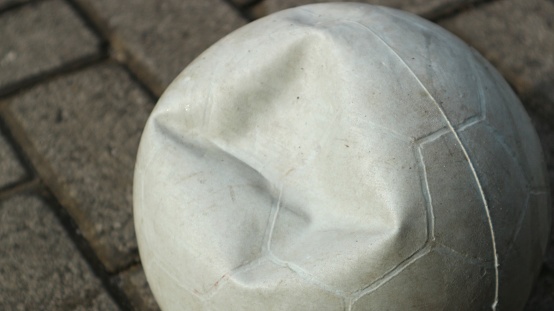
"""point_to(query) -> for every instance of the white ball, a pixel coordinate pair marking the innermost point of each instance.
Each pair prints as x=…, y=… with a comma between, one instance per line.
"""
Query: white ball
x=340, y=157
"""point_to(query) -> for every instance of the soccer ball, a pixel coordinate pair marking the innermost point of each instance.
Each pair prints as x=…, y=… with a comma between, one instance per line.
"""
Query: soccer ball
x=340, y=157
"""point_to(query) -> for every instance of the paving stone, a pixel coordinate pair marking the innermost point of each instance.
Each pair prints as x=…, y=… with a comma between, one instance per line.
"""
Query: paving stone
x=40, y=37
x=11, y=170
x=85, y=128
x=134, y=285
x=426, y=8
x=40, y=267
x=518, y=38
x=159, y=38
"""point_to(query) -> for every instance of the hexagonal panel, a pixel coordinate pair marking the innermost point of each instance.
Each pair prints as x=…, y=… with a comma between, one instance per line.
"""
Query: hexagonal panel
x=502, y=179
x=450, y=82
x=440, y=280
x=355, y=213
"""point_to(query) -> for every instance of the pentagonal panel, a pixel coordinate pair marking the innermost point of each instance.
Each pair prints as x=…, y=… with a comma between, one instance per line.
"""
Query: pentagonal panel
x=267, y=286
x=440, y=280
x=354, y=213
x=461, y=221
x=501, y=178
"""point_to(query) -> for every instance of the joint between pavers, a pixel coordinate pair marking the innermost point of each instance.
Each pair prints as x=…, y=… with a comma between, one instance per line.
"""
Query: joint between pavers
x=19, y=188
x=85, y=249
x=16, y=5
x=15, y=88
x=90, y=24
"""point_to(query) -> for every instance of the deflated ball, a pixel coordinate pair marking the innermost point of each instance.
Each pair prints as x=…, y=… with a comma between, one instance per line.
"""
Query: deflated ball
x=340, y=157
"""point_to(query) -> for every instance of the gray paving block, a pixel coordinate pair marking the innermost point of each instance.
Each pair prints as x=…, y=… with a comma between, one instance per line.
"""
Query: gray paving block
x=40, y=267
x=134, y=285
x=11, y=170
x=427, y=8
x=159, y=38
x=518, y=38
x=85, y=129
x=41, y=37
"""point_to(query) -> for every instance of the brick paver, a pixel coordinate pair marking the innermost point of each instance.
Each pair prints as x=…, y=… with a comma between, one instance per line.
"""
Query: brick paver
x=11, y=170
x=159, y=38
x=41, y=37
x=518, y=38
x=427, y=8
x=40, y=268
x=86, y=128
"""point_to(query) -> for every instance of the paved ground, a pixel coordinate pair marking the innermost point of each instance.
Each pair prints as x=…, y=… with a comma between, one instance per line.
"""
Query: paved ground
x=78, y=79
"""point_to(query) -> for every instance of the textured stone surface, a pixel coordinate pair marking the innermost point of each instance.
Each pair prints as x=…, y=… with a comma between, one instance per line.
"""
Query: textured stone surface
x=133, y=283
x=40, y=268
x=427, y=8
x=40, y=37
x=86, y=126
x=160, y=38
x=11, y=170
x=524, y=55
